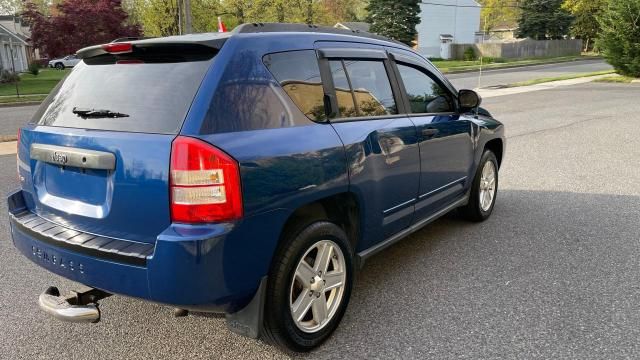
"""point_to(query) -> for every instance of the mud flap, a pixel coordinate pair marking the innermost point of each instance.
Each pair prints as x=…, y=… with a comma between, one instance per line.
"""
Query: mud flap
x=248, y=321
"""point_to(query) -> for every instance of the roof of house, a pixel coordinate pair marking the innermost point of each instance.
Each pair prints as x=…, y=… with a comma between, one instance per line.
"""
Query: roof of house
x=353, y=25
x=5, y=30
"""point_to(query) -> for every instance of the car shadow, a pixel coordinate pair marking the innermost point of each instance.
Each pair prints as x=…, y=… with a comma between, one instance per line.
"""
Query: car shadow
x=545, y=268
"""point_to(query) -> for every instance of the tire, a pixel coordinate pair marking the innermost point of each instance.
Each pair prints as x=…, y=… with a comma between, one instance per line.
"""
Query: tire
x=288, y=287
x=59, y=66
x=478, y=210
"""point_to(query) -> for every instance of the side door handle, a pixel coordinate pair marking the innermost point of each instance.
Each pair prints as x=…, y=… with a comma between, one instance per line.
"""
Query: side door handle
x=429, y=132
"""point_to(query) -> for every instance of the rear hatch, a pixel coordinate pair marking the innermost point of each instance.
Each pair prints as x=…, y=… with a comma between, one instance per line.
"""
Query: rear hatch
x=96, y=155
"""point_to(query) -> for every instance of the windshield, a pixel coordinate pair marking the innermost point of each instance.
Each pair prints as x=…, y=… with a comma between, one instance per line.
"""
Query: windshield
x=154, y=96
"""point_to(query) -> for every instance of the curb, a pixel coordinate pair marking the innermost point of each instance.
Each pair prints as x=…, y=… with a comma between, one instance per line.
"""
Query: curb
x=7, y=138
x=506, y=67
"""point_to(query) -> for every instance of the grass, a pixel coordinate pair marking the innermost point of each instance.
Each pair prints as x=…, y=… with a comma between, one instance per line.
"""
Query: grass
x=21, y=99
x=620, y=79
x=30, y=84
x=559, y=78
x=458, y=65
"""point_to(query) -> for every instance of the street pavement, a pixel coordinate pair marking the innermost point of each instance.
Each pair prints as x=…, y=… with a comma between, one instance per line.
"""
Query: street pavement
x=473, y=80
x=11, y=118
x=554, y=273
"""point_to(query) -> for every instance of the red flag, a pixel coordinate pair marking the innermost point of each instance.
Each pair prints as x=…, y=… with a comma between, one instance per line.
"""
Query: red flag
x=221, y=27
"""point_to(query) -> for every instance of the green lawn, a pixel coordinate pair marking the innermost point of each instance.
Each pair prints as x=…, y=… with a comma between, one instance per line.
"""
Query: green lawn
x=29, y=84
x=621, y=79
x=559, y=78
x=457, y=65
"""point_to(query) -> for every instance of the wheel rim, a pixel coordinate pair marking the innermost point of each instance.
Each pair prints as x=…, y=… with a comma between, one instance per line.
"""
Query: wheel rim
x=317, y=286
x=487, y=185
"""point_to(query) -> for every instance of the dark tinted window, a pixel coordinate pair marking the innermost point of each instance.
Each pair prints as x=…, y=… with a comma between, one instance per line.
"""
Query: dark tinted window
x=425, y=95
x=155, y=93
x=299, y=75
x=371, y=87
x=343, y=90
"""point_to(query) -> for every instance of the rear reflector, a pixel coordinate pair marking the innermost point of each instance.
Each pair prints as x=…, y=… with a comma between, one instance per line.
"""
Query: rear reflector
x=118, y=48
x=205, y=183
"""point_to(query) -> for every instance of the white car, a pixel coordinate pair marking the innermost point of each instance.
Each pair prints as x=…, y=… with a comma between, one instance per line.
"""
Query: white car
x=65, y=62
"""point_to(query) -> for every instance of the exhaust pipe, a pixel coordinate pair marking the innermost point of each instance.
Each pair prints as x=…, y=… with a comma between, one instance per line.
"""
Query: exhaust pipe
x=78, y=306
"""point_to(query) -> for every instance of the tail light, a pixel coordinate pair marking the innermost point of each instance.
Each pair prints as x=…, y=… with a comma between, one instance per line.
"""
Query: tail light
x=18, y=154
x=205, y=183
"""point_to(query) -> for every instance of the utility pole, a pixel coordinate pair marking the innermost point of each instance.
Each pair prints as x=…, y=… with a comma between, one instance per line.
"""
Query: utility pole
x=187, y=17
x=179, y=3
x=13, y=65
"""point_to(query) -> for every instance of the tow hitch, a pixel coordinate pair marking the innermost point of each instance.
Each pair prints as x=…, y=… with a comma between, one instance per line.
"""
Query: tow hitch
x=77, y=306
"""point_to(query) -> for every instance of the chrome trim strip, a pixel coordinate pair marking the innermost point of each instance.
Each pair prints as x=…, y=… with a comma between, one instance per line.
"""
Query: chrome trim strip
x=399, y=206
x=442, y=187
x=75, y=157
x=363, y=255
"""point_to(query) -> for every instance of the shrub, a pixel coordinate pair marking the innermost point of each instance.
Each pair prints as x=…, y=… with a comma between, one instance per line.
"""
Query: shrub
x=620, y=36
x=469, y=54
x=34, y=68
x=7, y=76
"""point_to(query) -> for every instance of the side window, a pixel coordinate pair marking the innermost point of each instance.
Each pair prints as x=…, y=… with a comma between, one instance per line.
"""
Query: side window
x=369, y=87
x=346, y=100
x=299, y=75
x=425, y=95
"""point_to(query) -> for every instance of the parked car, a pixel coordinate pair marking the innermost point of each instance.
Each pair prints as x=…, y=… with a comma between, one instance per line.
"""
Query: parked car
x=65, y=62
x=246, y=173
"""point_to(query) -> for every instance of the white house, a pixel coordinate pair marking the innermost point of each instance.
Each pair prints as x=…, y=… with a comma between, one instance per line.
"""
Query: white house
x=444, y=22
x=15, y=50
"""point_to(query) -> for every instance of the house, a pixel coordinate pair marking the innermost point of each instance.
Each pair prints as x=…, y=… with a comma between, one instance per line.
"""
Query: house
x=15, y=49
x=446, y=22
x=354, y=25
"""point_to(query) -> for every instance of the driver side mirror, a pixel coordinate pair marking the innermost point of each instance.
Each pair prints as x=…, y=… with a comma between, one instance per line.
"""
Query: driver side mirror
x=469, y=99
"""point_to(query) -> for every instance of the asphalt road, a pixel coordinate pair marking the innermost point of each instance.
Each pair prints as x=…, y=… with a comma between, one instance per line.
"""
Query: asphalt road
x=11, y=118
x=555, y=273
x=510, y=76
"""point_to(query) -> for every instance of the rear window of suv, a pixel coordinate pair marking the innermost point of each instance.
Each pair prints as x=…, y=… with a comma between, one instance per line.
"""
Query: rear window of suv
x=148, y=92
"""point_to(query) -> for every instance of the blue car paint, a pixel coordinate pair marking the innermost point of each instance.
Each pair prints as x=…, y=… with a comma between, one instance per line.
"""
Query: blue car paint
x=284, y=166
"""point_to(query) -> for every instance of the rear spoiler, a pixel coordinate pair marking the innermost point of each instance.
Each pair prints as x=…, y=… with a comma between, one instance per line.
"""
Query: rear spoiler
x=189, y=42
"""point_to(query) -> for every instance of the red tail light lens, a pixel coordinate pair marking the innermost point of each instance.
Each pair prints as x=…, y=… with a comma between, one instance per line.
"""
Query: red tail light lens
x=118, y=48
x=205, y=183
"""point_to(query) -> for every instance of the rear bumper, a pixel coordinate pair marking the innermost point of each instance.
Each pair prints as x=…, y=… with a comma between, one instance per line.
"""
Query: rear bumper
x=205, y=268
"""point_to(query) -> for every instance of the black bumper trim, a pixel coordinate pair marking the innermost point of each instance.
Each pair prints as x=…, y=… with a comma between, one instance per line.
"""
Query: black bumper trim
x=122, y=251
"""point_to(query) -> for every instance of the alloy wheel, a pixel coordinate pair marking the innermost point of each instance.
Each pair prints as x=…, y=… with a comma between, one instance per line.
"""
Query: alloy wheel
x=317, y=287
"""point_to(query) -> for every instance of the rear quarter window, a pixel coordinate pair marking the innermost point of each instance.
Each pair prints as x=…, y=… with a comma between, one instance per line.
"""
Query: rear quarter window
x=155, y=95
x=299, y=75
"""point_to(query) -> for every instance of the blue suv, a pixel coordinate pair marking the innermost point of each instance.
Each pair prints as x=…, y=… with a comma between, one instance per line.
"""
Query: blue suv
x=246, y=173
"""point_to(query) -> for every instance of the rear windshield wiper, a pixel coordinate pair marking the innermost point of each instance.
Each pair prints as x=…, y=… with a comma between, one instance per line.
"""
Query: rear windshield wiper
x=97, y=113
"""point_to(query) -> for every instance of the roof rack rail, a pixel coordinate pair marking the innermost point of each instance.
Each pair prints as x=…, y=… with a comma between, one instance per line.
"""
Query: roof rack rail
x=289, y=27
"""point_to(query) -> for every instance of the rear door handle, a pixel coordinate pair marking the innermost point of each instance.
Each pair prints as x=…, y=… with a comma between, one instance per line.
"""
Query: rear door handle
x=75, y=157
x=429, y=132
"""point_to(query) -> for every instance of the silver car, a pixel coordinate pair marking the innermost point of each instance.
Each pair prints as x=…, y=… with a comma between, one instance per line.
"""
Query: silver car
x=65, y=62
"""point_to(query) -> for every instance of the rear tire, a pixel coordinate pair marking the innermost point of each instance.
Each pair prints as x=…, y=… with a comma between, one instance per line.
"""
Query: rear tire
x=59, y=66
x=310, y=279
x=484, y=190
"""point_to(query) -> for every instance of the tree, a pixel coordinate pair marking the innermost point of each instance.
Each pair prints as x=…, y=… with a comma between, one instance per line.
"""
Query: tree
x=543, y=19
x=586, y=13
x=619, y=38
x=396, y=19
x=67, y=31
x=498, y=12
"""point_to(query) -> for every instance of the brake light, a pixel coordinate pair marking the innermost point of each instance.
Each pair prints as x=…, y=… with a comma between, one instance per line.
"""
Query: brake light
x=205, y=183
x=118, y=48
